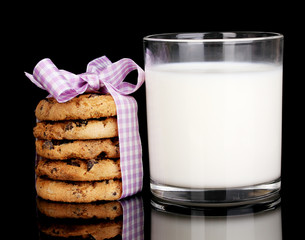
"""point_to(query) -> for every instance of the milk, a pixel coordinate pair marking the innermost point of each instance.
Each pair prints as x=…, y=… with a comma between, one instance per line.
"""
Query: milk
x=214, y=125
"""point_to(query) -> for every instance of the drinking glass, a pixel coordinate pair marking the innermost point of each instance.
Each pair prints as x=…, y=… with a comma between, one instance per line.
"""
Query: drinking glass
x=214, y=116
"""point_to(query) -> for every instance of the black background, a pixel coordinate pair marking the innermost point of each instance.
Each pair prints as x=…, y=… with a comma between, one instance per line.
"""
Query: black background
x=72, y=35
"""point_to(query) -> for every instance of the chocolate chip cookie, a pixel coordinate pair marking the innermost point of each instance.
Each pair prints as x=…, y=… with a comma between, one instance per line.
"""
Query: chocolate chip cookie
x=77, y=129
x=85, y=106
x=85, y=149
x=68, y=191
x=79, y=170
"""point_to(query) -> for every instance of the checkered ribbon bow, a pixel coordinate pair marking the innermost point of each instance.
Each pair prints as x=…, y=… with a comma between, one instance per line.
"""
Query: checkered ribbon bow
x=103, y=76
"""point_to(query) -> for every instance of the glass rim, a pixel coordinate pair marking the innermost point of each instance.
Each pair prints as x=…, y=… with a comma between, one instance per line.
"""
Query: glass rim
x=198, y=37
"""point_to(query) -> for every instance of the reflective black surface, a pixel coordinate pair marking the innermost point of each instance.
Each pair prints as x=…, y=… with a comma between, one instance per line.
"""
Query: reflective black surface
x=128, y=219
x=146, y=217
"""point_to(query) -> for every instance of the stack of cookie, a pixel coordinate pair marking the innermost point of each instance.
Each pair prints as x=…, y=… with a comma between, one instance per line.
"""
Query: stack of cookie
x=78, y=149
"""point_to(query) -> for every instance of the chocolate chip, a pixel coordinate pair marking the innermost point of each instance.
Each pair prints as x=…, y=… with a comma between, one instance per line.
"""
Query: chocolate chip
x=73, y=163
x=60, y=142
x=115, y=208
x=81, y=123
x=90, y=164
x=47, y=145
x=93, y=95
x=69, y=126
x=114, y=193
x=102, y=155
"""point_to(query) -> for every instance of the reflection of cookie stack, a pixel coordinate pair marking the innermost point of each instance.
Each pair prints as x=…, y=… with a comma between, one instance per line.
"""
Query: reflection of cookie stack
x=101, y=220
x=79, y=149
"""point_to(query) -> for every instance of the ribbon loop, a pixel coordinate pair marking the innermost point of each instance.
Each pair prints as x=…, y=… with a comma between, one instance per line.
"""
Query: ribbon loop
x=120, y=70
x=98, y=65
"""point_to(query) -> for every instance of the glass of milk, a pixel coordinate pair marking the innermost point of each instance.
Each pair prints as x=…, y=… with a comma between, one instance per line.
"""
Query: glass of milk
x=214, y=112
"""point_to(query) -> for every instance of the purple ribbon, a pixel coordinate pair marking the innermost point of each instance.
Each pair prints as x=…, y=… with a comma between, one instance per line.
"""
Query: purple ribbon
x=102, y=76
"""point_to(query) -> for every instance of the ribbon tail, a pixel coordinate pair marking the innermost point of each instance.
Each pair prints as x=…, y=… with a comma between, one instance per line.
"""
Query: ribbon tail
x=30, y=76
x=130, y=142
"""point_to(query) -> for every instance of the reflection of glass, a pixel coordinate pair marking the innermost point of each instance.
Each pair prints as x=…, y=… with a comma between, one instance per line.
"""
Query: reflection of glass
x=214, y=105
x=101, y=220
x=257, y=222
